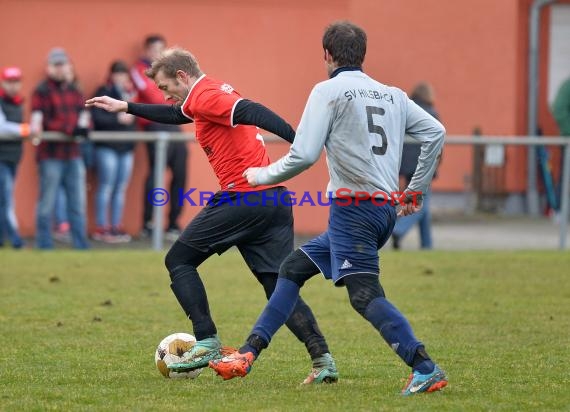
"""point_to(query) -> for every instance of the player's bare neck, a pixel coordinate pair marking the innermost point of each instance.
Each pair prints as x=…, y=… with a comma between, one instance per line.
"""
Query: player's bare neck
x=193, y=79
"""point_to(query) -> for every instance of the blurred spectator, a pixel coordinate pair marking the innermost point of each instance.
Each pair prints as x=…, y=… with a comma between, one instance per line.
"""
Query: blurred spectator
x=423, y=95
x=11, y=122
x=86, y=146
x=114, y=160
x=177, y=152
x=60, y=106
x=561, y=112
x=61, y=230
x=561, y=108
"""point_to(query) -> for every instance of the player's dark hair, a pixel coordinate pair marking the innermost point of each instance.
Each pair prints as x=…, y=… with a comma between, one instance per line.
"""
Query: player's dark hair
x=153, y=38
x=346, y=43
x=172, y=60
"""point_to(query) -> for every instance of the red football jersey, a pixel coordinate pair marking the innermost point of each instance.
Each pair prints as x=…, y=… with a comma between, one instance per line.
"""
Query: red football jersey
x=231, y=149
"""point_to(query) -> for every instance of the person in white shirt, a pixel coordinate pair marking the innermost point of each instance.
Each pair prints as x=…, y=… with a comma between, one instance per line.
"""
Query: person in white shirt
x=361, y=123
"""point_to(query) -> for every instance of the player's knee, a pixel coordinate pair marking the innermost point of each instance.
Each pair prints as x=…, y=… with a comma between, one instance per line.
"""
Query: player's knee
x=178, y=256
x=288, y=271
x=297, y=267
x=363, y=289
x=170, y=261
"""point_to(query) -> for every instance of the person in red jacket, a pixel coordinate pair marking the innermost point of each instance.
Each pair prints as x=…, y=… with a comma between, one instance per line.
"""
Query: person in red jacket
x=177, y=152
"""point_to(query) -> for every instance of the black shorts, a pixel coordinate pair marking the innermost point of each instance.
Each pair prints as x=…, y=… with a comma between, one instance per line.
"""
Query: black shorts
x=263, y=233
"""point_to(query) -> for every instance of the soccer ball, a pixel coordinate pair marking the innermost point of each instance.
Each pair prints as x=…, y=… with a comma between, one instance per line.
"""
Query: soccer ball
x=170, y=350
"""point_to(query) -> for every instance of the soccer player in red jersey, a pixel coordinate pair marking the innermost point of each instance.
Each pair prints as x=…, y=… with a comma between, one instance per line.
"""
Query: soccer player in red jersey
x=238, y=215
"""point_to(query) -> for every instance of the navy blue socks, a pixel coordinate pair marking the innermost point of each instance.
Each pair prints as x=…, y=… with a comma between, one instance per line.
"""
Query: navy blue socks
x=397, y=332
x=275, y=314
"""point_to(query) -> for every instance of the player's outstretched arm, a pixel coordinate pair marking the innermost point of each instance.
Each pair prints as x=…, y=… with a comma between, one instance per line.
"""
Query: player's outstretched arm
x=305, y=150
x=161, y=113
x=251, y=113
x=108, y=104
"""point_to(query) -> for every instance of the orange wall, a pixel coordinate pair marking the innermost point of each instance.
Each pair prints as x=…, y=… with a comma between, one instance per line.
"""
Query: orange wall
x=271, y=51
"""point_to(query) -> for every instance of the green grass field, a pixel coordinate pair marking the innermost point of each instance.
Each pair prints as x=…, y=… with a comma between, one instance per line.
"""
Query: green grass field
x=79, y=330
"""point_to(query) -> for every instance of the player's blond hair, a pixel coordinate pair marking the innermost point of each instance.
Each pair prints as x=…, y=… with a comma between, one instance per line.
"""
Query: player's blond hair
x=172, y=60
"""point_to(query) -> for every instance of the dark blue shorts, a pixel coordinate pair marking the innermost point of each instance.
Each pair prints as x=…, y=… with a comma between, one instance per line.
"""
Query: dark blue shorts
x=351, y=243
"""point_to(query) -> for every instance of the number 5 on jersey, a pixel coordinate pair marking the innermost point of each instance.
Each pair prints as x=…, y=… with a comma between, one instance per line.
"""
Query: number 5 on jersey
x=374, y=128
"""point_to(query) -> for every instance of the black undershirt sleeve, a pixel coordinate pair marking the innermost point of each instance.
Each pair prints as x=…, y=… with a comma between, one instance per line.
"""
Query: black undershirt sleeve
x=161, y=113
x=250, y=113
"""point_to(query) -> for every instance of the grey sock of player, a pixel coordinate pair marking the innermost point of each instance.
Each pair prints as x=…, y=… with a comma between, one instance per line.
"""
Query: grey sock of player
x=397, y=332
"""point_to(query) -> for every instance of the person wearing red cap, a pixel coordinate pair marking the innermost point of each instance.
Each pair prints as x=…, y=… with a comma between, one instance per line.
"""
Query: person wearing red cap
x=11, y=123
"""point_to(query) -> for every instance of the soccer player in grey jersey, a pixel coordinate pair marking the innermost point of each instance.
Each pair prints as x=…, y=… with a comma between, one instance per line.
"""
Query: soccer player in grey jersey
x=362, y=124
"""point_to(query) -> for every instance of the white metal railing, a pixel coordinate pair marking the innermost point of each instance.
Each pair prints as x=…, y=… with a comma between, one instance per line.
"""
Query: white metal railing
x=161, y=139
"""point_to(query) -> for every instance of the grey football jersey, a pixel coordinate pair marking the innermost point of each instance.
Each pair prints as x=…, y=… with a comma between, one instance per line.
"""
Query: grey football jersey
x=362, y=124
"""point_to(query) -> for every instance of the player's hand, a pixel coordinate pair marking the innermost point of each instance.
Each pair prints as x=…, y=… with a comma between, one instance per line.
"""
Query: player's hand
x=408, y=209
x=107, y=103
x=251, y=175
x=412, y=204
